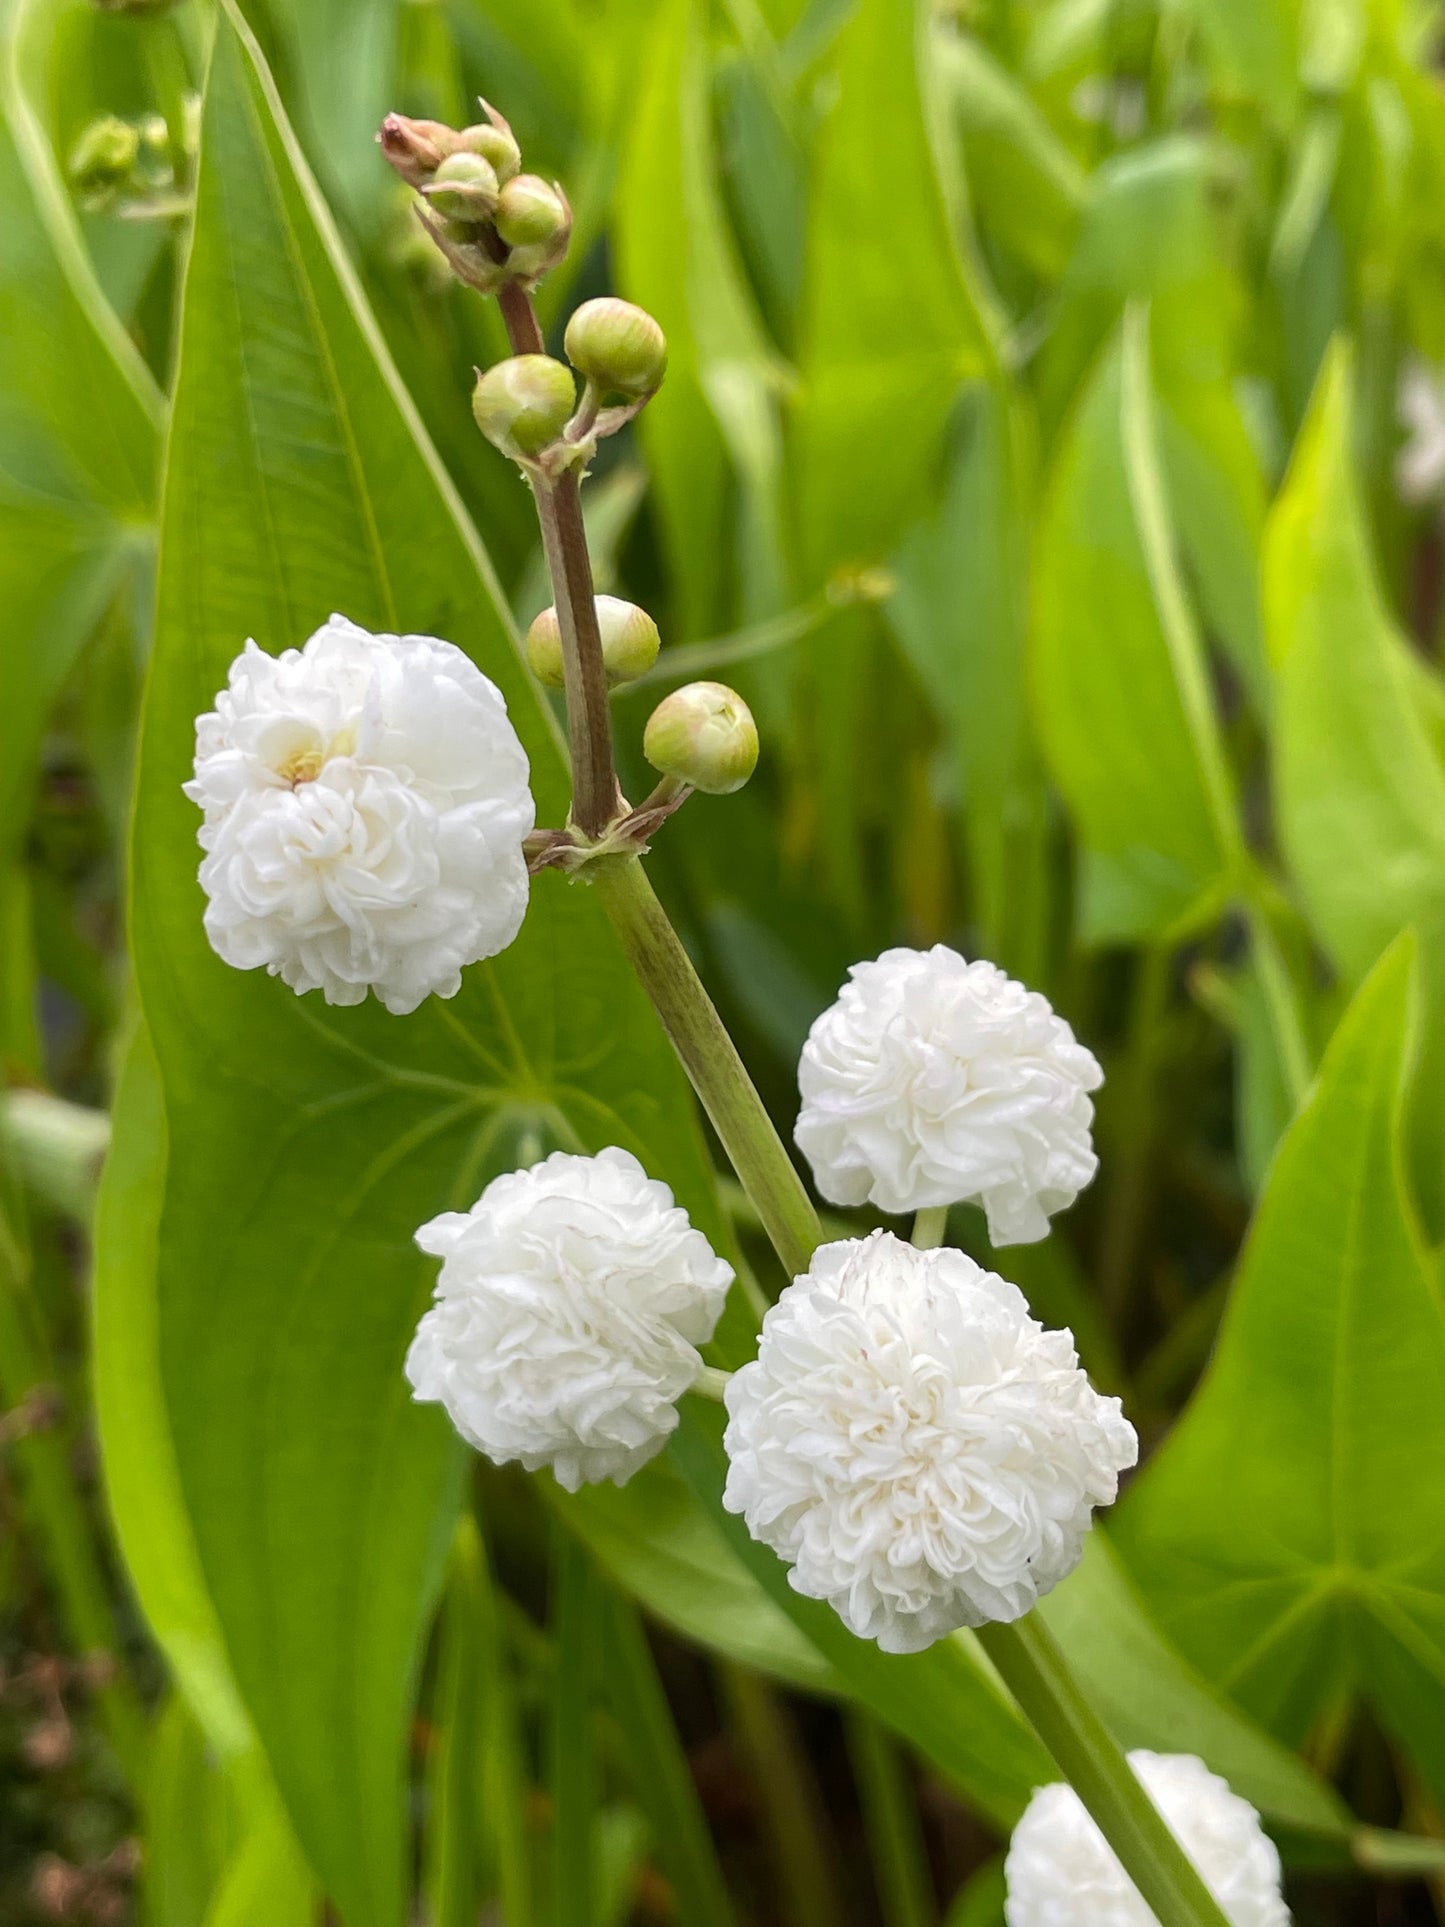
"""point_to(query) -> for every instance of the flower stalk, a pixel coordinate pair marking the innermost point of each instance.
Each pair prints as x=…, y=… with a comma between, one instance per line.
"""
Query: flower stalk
x=711, y=1061
x=595, y=796
x=1035, y=1671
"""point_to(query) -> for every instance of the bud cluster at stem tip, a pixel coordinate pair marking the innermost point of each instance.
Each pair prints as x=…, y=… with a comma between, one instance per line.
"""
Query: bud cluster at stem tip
x=492, y=222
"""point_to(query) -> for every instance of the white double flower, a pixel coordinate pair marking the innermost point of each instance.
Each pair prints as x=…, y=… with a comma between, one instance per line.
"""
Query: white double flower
x=915, y=1446
x=1060, y=1869
x=932, y=1080
x=365, y=802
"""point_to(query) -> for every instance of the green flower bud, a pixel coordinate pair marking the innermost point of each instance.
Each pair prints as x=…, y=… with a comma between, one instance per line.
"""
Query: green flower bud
x=415, y=148
x=464, y=188
x=105, y=153
x=544, y=649
x=705, y=736
x=523, y=404
x=495, y=145
x=618, y=346
x=529, y=210
x=630, y=642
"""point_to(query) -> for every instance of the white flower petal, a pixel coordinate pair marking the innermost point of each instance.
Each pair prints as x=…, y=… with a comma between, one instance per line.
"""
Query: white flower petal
x=919, y=1450
x=365, y=804
x=1061, y=1872
x=571, y=1301
x=933, y=1080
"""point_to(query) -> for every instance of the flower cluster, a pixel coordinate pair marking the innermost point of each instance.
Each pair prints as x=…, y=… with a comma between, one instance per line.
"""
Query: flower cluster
x=921, y=1452
x=932, y=1080
x=572, y=1300
x=909, y=1440
x=1060, y=1871
x=365, y=802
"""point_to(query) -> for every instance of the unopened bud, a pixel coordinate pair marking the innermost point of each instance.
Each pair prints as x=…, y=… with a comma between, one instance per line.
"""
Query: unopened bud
x=523, y=404
x=415, y=148
x=618, y=346
x=464, y=188
x=529, y=211
x=544, y=649
x=105, y=153
x=704, y=735
x=495, y=145
x=630, y=642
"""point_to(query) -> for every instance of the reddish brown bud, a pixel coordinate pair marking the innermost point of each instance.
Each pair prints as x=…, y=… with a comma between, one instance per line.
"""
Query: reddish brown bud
x=415, y=148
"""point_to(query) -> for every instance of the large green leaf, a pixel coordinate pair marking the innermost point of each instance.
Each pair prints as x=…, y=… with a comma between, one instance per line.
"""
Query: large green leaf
x=307, y=1144
x=958, y=612
x=1151, y=1697
x=1289, y=1533
x=654, y=1536
x=891, y=322
x=1150, y=234
x=1118, y=696
x=715, y=417
x=1359, y=784
x=1028, y=191
x=79, y=417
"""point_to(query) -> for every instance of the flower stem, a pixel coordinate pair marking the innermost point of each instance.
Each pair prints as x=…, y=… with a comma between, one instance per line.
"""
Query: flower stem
x=930, y=1226
x=595, y=800
x=1036, y=1673
x=711, y=1382
x=710, y=1059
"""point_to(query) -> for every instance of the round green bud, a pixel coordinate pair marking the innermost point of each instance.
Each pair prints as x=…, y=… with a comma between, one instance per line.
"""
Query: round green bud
x=544, y=649
x=618, y=346
x=464, y=188
x=705, y=736
x=495, y=145
x=525, y=403
x=630, y=642
x=530, y=210
x=105, y=153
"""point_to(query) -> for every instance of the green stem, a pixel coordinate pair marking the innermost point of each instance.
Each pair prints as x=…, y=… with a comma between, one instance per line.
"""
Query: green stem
x=890, y=1814
x=804, y=1853
x=564, y=538
x=710, y=1059
x=1403, y=1855
x=1280, y=1000
x=574, y=1788
x=1033, y=1668
x=930, y=1226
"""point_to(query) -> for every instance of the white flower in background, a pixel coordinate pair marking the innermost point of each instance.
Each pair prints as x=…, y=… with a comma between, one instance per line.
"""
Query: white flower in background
x=933, y=1080
x=919, y=1450
x=1420, y=409
x=1061, y=1872
x=572, y=1299
x=365, y=802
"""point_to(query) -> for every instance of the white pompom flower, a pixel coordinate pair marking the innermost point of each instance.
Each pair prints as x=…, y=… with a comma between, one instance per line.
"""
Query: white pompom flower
x=572, y=1299
x=915, y=1446
x=365, y=803
x=1061, y=1872
x=933, y=1080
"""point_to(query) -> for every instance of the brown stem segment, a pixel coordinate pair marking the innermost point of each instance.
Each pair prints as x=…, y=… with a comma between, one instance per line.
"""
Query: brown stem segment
x=710, y=1059
x=595, y=798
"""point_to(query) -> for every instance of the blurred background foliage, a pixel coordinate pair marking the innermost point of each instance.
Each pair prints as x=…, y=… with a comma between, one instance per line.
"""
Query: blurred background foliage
x=1052, y=452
